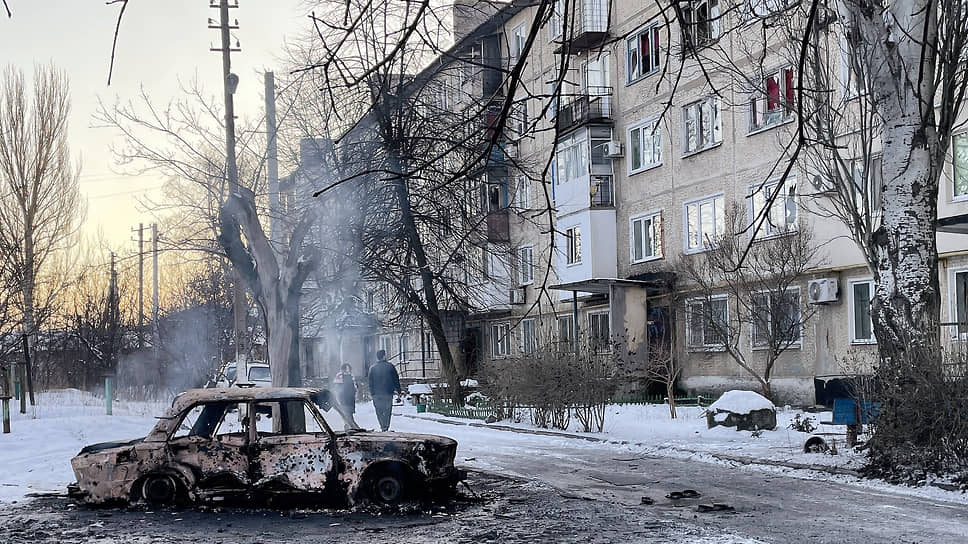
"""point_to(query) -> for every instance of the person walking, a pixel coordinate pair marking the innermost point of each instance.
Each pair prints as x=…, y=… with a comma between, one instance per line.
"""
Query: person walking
x=345, y=389
x=384, y=382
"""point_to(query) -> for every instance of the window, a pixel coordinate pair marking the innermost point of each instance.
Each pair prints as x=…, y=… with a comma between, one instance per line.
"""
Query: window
x=701, y=125
x=599, y=340
x=386, y=344
x=781, y=216
x=500, y=339
x=867, y=188
x=861, y=292
x=525, y=265
x=705, y=222
x=555, y=20
x=370, y=301
x=518, y=119
x=772, y=104
x=573, y=239
x=571, y=157
x=518, y=38
x=775, y=319
x=529, y=336
x=645, y=237
x=645, y=145
x=497, y=195
x=764, y=8
x=551, y=89
x=707, y=322
x=642, y=53
x=404, y=344
x=700, y=24
x=961, y=302
x=523, y=197
x=959, y=155
x=566, y=330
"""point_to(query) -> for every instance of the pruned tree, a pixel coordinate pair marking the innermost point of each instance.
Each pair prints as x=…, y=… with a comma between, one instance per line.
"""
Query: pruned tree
x=228, y=221
x=747, y=297
x=40, y=205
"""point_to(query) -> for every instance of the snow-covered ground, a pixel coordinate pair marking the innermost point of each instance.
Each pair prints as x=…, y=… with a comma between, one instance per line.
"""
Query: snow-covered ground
x=35, y=457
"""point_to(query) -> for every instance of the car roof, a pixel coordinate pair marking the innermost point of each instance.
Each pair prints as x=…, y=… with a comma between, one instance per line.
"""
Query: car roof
x=240, y=394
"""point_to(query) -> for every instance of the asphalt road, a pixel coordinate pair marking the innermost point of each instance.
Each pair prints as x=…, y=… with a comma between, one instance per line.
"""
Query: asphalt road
x=539, y=489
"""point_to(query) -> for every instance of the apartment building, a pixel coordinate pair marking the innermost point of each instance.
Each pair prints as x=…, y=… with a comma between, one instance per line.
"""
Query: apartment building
x=622, y=158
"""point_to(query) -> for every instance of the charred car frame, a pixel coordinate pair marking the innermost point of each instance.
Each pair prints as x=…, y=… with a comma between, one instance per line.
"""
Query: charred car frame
x=215, y=444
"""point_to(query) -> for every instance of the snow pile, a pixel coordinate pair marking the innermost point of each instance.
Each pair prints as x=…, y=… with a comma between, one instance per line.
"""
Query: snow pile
x=419, y=389
x=741, y=402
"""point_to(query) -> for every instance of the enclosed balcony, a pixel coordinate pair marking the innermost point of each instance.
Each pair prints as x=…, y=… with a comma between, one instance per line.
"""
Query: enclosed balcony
x=601, y=191
x=592, y=105
x=590, y=27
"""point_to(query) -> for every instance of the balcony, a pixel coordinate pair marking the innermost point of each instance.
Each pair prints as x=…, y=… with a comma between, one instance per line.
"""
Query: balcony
x=590, y=27
x=594, y=105
x=498, y=229
x=602, y=191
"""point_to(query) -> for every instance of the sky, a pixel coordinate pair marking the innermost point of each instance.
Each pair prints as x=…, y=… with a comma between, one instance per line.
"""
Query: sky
x=160, y=43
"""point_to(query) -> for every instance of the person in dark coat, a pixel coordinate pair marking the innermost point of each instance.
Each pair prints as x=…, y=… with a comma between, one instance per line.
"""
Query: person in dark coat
x=384, y=382
x=344, y=386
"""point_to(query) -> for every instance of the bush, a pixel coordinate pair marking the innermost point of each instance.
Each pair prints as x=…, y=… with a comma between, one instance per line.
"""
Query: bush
x=555, y=383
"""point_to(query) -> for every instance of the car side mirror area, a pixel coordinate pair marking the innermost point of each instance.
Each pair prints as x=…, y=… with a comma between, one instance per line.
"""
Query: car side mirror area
x=323, y=400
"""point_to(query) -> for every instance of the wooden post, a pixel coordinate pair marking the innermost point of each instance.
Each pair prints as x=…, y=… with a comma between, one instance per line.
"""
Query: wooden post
x=6, y=413
x=23, y=392
x=108, y=392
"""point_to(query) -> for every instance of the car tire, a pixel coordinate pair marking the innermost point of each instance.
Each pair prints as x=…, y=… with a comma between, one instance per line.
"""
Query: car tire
x=161, y=489
x=388, y=486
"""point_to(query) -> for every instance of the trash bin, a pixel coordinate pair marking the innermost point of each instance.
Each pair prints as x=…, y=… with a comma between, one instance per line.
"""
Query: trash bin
x=421, y=408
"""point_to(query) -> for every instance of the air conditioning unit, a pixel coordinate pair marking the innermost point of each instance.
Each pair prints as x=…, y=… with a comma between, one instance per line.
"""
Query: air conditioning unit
x=613, y=149
x=822, y=291
x=517, y=295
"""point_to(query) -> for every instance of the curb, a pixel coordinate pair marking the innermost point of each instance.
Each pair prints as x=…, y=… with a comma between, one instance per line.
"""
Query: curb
x=719, y=456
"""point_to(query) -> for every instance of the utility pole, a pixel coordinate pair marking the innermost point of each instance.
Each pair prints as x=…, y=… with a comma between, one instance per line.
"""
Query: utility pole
x=230, y=82
x=141, y=285
x=154, y=287
x=272, y=162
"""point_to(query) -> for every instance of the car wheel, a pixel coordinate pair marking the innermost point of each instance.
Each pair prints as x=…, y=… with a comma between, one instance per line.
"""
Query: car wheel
x=388, y=487
x=160, y=489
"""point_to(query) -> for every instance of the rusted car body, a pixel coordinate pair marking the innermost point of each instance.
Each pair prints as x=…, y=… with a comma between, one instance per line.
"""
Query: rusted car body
x=262, y=442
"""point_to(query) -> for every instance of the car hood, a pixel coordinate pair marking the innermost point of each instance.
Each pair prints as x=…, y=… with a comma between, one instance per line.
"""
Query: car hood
x=93, y=448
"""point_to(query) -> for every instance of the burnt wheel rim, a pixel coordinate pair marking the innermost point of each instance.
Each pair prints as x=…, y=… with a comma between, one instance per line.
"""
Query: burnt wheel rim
x=389, y=489
x=159, y=489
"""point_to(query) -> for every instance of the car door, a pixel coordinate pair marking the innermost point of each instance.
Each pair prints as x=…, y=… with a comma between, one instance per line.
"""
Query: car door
x=294, y=453
x=212, y=439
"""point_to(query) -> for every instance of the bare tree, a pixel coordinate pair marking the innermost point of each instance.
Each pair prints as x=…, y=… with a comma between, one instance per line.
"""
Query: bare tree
x=747, y=300
x=41, y=207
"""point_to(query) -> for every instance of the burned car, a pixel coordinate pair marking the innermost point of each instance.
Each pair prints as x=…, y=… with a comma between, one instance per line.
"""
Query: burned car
x=217, y=444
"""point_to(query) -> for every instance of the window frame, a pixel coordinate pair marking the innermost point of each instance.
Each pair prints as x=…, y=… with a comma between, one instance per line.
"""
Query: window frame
x=713, y=23
x=953, y=272
x=786, y=85
x=704, y=346
x=655, y=54
x=525, y=266
x=403, y=345
x=852, y=310
x=500, y=338
x=657, y=236
x=597, y=343
x=769, y=296
x=655, y=128
x=954, y=168
x=719, y=219
x=529, y=336
x=523, y=192
x=715, y=130
x=573, y=246
x=769, y=230
x=517, y=42
x=572, y=337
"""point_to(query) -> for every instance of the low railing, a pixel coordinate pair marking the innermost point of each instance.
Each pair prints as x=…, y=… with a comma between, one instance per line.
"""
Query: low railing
x=594, y=105
x=602, y=191
x=449, y=409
